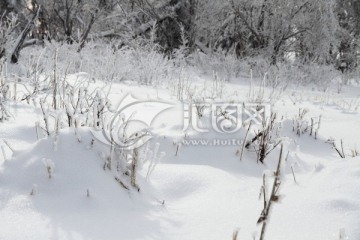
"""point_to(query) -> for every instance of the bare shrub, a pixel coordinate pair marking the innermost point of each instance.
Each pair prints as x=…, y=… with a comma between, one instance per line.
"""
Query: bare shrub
x=267, y=138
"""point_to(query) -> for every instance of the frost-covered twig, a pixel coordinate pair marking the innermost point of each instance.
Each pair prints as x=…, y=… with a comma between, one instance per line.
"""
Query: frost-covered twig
x=292, y=169
x=45, y=117
x=121, y=183
x=8, y=145
x=3, y=152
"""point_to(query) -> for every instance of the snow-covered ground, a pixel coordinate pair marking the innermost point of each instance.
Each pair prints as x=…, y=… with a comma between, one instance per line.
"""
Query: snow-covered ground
x=57, y=188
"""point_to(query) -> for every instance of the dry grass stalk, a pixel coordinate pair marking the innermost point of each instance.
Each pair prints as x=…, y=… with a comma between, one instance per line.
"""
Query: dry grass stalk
x=244, y=143
x=340, y=152
x=274, y=196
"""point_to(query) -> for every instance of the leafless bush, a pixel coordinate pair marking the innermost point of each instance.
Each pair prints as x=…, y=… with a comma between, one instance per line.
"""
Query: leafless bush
x=300, y=124
x=267, y=139
x=126, y=151
x=227, y=66
x=182, y=87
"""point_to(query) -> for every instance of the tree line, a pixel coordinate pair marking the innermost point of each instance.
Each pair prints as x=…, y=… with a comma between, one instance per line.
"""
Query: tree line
x=322, y=32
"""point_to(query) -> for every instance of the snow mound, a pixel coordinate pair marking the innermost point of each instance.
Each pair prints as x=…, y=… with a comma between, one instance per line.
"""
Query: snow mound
x=321, y=205
x=57, y=189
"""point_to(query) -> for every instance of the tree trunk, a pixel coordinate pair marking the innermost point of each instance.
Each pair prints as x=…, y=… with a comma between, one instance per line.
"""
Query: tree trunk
x=275, y=53
x=85, y=35
x=25, y=32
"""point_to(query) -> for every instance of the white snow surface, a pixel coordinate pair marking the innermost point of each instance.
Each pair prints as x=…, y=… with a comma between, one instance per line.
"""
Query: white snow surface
x=203, y=192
